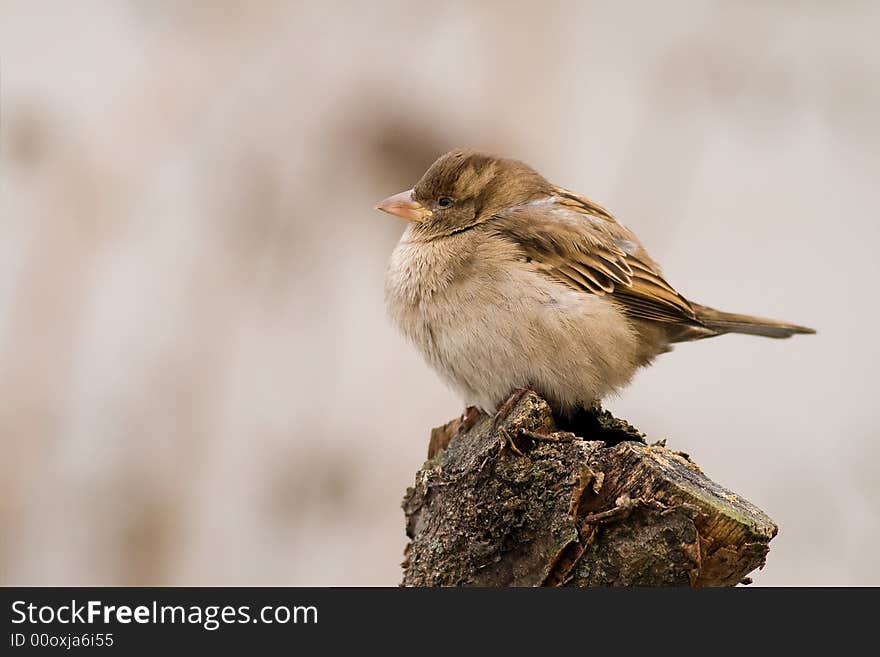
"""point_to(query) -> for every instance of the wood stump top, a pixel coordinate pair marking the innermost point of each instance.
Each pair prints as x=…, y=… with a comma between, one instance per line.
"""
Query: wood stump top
x=604, y=509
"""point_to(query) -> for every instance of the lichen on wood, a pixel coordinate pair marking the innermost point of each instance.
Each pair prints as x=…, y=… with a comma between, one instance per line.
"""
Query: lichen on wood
x=601, y=509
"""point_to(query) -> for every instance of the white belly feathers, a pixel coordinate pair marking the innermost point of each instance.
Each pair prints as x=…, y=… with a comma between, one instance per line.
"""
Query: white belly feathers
x=505, y=327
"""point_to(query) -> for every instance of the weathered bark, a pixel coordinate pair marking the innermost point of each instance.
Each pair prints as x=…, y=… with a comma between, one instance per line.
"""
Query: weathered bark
x=603, y=509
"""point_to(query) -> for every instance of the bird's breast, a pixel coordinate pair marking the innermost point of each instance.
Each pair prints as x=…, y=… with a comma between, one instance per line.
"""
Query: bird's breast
x=489, y=322
x=424, y=285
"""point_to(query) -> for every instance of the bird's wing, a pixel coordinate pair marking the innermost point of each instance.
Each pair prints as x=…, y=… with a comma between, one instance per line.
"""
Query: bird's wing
x=580, y=244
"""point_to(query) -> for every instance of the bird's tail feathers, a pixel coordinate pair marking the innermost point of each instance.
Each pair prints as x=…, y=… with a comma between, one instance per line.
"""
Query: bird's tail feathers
x=722, y=322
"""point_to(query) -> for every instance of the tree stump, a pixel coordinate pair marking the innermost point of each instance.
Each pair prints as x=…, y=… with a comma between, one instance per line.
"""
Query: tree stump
x=604, y=509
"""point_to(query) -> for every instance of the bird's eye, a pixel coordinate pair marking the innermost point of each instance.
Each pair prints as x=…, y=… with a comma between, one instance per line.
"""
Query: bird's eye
x=444, y=201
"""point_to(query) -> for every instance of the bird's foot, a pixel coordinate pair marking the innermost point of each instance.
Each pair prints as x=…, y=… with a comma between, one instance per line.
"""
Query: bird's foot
x=555, y=437
x=508, y=441
x=505, y=439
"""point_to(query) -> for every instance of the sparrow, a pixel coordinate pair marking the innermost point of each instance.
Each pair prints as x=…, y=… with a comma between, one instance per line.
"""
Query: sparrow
x=505, y=282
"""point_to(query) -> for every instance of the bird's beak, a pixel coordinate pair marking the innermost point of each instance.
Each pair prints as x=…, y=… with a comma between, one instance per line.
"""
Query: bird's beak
x=402, y=205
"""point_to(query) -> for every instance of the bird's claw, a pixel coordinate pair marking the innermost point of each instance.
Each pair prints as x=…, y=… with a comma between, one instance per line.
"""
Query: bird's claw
x=506, y=441
x=554, y=437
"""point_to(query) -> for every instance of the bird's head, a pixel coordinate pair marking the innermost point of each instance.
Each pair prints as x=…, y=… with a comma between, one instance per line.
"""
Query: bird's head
x=464, y=188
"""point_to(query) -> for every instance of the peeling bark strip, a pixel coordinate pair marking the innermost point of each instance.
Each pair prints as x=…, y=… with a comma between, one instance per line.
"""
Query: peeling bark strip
x=603, y=510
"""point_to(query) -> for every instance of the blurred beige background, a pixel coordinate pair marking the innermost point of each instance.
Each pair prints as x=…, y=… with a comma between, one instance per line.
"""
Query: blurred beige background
x=198, y=384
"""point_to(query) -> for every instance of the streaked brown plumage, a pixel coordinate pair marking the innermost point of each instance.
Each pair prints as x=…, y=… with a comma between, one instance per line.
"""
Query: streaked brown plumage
x=505, y=280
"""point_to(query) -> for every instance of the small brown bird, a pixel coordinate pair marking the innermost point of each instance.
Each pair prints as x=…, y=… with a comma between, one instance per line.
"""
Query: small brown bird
x=505, y=281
